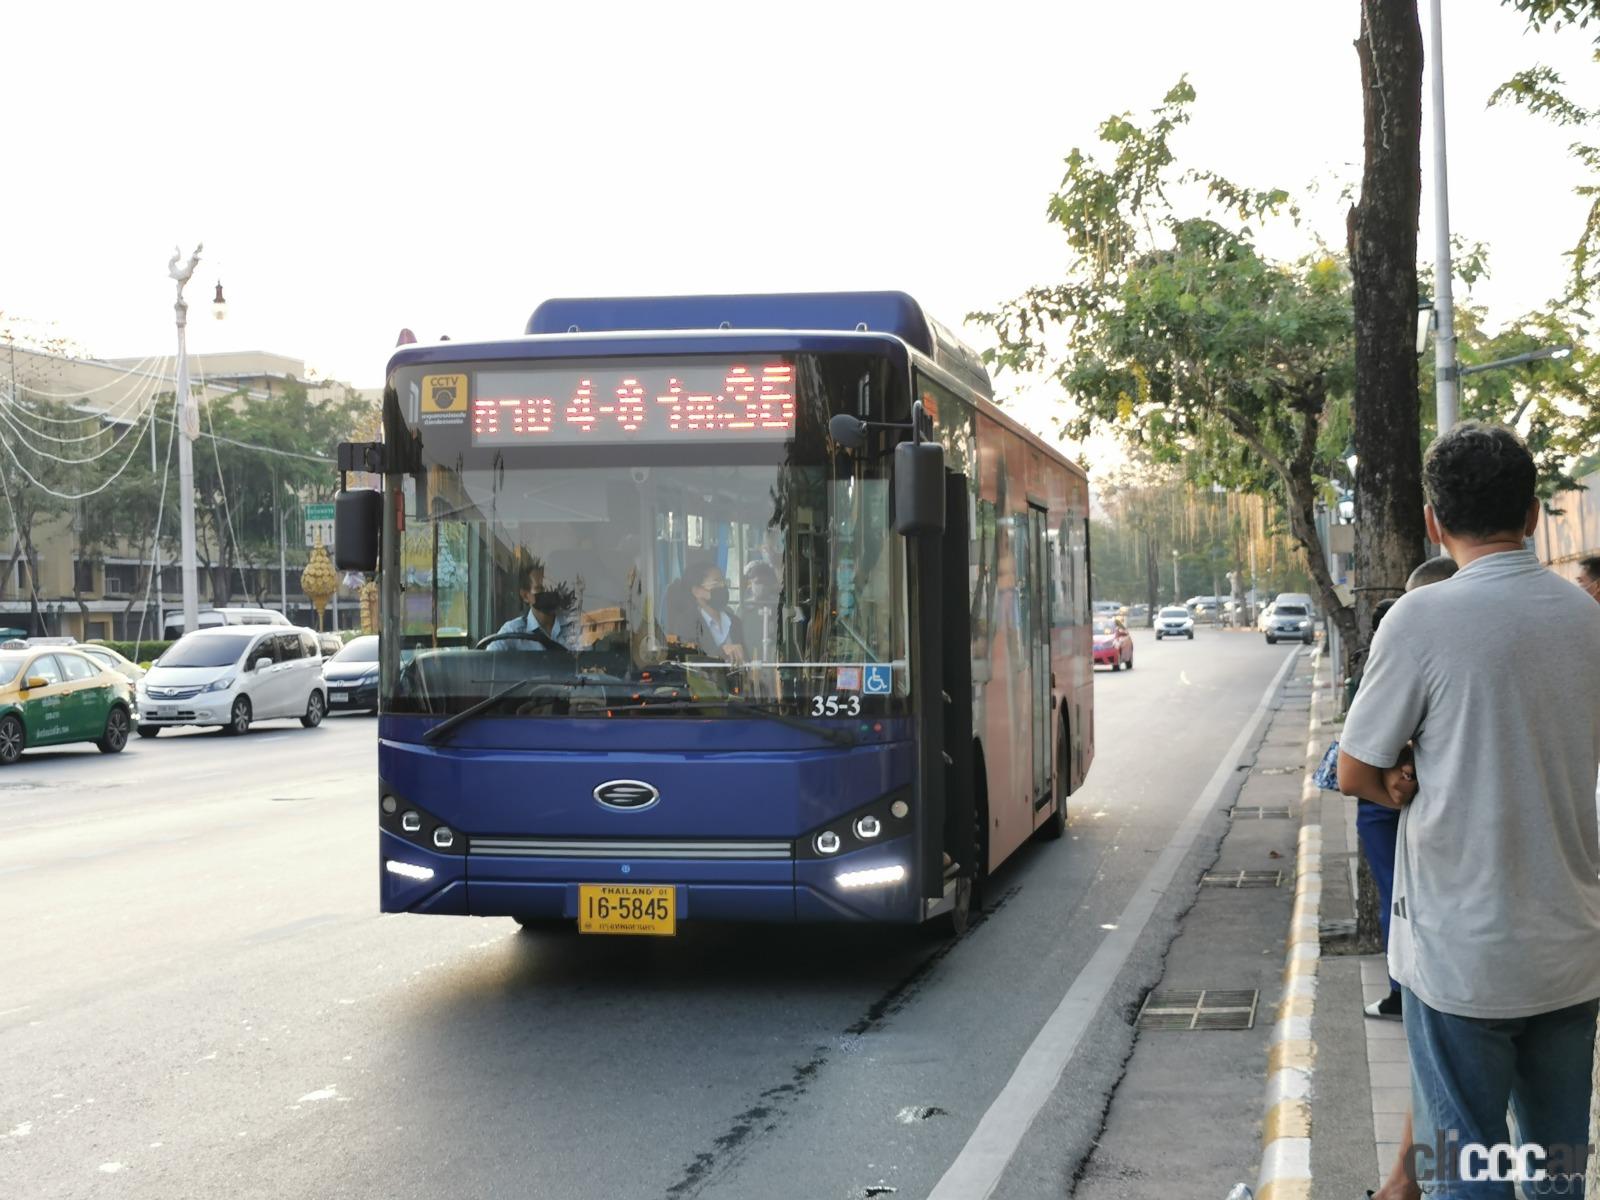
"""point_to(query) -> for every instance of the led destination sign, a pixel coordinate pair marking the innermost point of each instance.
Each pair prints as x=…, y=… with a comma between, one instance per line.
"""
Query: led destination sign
x=592, y=404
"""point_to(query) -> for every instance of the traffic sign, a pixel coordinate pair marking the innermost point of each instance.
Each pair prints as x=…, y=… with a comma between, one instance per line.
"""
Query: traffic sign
x=319, y=524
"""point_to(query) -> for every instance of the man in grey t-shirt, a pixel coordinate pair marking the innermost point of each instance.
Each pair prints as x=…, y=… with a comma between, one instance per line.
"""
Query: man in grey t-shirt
x=1495, y=923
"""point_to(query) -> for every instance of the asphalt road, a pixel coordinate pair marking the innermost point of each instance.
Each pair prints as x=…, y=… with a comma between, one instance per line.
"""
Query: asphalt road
x=198, y=998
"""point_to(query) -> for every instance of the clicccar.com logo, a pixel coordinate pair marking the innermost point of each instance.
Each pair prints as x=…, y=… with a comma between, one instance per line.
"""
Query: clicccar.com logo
x=1553, y=1171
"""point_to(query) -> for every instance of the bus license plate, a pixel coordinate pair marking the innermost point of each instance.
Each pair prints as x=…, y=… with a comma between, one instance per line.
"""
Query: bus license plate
x=628, y=908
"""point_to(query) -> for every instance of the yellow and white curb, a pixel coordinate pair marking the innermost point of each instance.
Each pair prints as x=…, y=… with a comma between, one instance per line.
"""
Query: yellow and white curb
x=1286, y=1130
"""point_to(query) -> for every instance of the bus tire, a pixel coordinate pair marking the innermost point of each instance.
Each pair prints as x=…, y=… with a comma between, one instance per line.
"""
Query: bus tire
x=969, y=885
x=1052, y=829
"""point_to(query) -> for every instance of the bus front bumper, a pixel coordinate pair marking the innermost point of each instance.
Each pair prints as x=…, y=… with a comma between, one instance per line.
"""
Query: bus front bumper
x=527, y=878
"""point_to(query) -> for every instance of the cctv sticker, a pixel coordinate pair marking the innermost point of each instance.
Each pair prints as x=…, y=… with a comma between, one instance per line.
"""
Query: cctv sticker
x=444, y=399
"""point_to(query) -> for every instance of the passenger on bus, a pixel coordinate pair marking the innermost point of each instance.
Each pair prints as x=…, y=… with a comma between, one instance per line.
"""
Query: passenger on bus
x=697, y=613
x=543, y=620
x=758, y=612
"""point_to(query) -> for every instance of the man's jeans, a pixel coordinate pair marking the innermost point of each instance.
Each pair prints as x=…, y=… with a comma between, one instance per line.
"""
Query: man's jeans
x=1465, y=1073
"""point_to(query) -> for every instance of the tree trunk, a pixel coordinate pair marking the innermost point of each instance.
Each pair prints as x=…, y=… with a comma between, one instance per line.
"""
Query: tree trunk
x=1152, y=579
x=1383, y=256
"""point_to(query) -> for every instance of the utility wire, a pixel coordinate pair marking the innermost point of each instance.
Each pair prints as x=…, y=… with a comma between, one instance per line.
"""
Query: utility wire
x=133, y=370
x=18, y=397
x=222, y=483
x=11, y=453
x=23, y=431
x=227, y=441
x=155, y=545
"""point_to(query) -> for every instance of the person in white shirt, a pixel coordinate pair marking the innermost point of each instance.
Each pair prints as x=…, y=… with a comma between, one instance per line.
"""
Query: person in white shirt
x=542, y=620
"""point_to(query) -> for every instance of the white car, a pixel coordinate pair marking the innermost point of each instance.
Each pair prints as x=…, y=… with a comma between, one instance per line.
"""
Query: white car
x=109, y=658
x=1174, y=621
x=231, y=675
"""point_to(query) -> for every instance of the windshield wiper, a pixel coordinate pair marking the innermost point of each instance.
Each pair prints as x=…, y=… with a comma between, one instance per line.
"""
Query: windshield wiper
x=839, y=737
x=442, y=730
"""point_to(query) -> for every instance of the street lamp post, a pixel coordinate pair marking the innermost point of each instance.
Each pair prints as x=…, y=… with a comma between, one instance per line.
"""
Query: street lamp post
x=1175, y=577
x=1446, y=395
x=188, y=416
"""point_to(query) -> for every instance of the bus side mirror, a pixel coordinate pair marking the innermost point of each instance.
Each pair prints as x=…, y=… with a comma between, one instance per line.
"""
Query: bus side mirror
x=918, y=488
x=357, y=527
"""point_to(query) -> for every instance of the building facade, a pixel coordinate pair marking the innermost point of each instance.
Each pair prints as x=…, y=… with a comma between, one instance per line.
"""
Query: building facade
x=115, y=592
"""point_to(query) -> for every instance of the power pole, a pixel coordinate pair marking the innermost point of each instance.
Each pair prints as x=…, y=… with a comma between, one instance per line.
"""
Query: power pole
x=188, y=416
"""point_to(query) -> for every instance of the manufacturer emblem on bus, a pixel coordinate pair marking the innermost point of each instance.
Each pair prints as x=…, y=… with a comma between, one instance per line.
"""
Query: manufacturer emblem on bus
x=629, y=795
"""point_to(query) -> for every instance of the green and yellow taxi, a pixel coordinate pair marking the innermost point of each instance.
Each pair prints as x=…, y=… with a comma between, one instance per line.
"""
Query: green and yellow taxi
x=52, y=695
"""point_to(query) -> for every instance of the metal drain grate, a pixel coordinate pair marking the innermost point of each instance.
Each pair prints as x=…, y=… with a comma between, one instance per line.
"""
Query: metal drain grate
x=1242, y=879
x=1245, y=812
x=1193, y=1011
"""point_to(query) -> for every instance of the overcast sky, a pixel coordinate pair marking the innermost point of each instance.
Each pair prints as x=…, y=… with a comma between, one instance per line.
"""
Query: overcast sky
x=357, y=168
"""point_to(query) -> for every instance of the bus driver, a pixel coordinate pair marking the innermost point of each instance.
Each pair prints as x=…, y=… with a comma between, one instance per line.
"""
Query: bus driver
x=542, y=619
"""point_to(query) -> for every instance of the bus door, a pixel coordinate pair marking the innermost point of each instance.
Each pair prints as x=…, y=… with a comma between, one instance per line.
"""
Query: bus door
x=1037, y=624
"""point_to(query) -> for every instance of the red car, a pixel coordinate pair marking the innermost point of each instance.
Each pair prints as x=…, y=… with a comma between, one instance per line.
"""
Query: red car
x=1113, y=645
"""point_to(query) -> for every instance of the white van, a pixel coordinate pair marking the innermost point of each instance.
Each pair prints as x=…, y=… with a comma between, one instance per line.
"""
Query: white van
x=230, y=676
x=212, y=618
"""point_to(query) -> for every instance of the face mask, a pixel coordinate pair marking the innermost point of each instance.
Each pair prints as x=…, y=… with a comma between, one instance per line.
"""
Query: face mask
x=546, y=601
x=717, y=597
x=763, y=593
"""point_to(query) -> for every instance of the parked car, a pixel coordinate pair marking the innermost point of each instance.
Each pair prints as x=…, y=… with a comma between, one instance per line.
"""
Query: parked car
x=1138, y=612
x=231, y=676
x=1265, y=619
x=212, y=618
x=330, y=644
x=50, y=696
x=1174, y=621
x=1291, y=619
x=1113, y=645
x=352, y=676
x=106, y=656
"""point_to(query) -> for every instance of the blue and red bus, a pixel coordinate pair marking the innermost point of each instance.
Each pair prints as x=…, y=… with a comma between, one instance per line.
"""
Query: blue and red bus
x=717, y=608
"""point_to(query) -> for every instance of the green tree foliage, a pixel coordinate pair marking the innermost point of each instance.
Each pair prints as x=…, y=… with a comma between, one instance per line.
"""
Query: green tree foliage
x=1543, y=92
x=242, y=491
x=1172, y=327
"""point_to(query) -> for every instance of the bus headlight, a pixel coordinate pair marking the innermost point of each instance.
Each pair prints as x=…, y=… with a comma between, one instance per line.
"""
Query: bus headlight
x=899, y=810
x=408, y=870
x=443, y=838
x=872, y=877
x=411, y=821
x=389, y=804
x=868, y=827
x=827, y=842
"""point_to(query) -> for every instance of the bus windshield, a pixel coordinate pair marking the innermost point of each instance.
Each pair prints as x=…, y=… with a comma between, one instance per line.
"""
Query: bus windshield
x=648, y=584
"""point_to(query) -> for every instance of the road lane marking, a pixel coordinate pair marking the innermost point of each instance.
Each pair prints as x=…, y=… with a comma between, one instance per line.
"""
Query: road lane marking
x=977, y=1169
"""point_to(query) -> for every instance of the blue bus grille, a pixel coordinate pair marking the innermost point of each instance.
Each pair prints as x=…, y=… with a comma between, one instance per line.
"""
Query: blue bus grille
x=507, y=847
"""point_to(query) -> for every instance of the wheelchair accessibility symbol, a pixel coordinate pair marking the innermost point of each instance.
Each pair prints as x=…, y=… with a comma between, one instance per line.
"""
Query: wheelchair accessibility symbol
x=877, y=680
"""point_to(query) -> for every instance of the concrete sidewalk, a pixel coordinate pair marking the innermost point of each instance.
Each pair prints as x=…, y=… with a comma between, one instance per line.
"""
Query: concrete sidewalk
x=1363, y=1078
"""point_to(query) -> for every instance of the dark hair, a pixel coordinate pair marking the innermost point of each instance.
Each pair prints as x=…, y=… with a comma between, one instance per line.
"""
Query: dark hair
x=534, y=566
x=1590, y=566
x=1381, y=611
x=696, y=570
x=1480, y=480
x=1435, y=570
